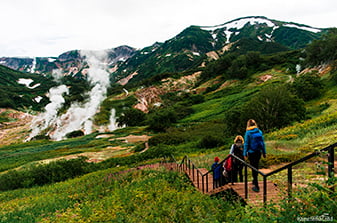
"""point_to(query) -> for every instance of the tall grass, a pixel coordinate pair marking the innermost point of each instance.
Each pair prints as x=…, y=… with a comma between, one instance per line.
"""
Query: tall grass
x=16, y=155
x=141, y=196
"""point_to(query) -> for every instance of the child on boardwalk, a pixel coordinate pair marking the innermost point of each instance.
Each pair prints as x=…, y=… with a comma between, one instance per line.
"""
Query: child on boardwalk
x=216, y=173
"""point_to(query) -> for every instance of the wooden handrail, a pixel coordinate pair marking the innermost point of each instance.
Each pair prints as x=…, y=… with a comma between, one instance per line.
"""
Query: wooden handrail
x=289, y=166
x=188, y=163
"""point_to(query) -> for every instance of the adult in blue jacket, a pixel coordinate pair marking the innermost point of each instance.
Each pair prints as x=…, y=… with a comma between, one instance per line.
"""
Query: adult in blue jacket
x=253, y=148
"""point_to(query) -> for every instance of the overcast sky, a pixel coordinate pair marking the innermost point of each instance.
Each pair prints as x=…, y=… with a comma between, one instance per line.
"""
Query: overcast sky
x=51, y=27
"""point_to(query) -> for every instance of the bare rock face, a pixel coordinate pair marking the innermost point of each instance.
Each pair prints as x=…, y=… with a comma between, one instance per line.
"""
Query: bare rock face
x=148, y=97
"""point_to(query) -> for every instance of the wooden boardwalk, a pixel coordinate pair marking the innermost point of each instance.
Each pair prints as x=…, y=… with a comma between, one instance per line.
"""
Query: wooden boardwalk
x=206, y=185
x=254, y=198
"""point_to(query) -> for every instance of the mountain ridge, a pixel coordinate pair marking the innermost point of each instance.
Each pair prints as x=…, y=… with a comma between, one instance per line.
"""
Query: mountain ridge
x=214, y=38
x=194, y=51
x=189, y=49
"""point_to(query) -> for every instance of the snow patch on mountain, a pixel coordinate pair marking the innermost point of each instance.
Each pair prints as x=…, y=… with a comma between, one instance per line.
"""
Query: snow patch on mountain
x=235, y=26
x=232, y=27
x=38, y=99
x=51, y=60
x=239, y=24
x=27, y=82
x=310, y=29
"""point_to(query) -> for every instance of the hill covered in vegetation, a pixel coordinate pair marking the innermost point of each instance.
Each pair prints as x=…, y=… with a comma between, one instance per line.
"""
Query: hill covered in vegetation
x=181, y=102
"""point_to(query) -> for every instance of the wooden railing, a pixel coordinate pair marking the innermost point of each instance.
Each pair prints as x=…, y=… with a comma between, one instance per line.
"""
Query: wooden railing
x=189, y=167
x=289, y=167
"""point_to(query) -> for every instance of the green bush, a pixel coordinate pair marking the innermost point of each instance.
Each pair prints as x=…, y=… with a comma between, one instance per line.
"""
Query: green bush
x=171, y=138
x=139, y=147
x=323, y=50
x=41, y=137
x=210, y=141
x=160, y=120
x=44, y=174
x=274, y=107
x=131, y=117
x=75, y=134
x=308, y=86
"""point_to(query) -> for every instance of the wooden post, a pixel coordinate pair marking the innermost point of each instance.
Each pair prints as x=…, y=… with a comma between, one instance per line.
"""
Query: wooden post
x=206, y=183
x=203, y=185
x=331, y=160
x=246, y=183
x=264, y=190
x=198, y=180
x=290, y=181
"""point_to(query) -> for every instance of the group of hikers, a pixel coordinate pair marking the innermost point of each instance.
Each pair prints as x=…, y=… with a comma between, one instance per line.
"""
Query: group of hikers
x=251, y=147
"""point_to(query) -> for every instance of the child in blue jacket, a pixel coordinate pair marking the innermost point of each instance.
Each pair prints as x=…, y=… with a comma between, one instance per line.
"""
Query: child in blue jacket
x=216, y=173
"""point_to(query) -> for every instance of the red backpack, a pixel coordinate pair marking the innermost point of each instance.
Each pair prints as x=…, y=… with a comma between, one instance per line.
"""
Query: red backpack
x=228, y=165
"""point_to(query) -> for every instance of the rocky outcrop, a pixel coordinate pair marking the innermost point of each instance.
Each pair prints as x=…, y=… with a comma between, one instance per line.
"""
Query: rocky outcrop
x=148, y=97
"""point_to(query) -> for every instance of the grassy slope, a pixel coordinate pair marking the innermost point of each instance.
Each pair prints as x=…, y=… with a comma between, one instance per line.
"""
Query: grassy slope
x=141, y=196
x=93, y=197
x=146, y=196
x=25, y=154
x=232, y=94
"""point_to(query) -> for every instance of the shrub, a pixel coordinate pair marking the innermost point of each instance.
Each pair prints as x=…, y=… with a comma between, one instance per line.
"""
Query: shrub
x=172, y=138
x=75, y=134
x=322, y=50
x=235, y=121
x=308, y=86
x=41, y=137
x=210, y=141
x=131, y=117
x=274, y=107
x=162, y=119
x=139, y=147
x=44, y=174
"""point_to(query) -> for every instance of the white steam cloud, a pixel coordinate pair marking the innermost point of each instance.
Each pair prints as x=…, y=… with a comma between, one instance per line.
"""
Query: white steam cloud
x=79, y=116
x=49, y=116
x=113, y=124
x=57, y=74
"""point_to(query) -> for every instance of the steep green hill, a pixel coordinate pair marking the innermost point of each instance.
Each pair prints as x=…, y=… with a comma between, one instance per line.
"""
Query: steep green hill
x=24, y=95
x=189, y=49
x=197, y=98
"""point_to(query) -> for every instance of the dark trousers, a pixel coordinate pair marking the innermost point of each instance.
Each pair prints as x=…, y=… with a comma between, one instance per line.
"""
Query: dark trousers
x=254, y=159
x=216, y=183
x=237, y=171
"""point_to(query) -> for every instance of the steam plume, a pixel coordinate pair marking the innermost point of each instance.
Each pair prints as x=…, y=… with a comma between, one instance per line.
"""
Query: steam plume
x=113, y=125
x=49, y=116
x=79, y=116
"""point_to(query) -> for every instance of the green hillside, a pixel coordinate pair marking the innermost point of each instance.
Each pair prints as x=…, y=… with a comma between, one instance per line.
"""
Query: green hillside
x=18, y=96
x=196, y=111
